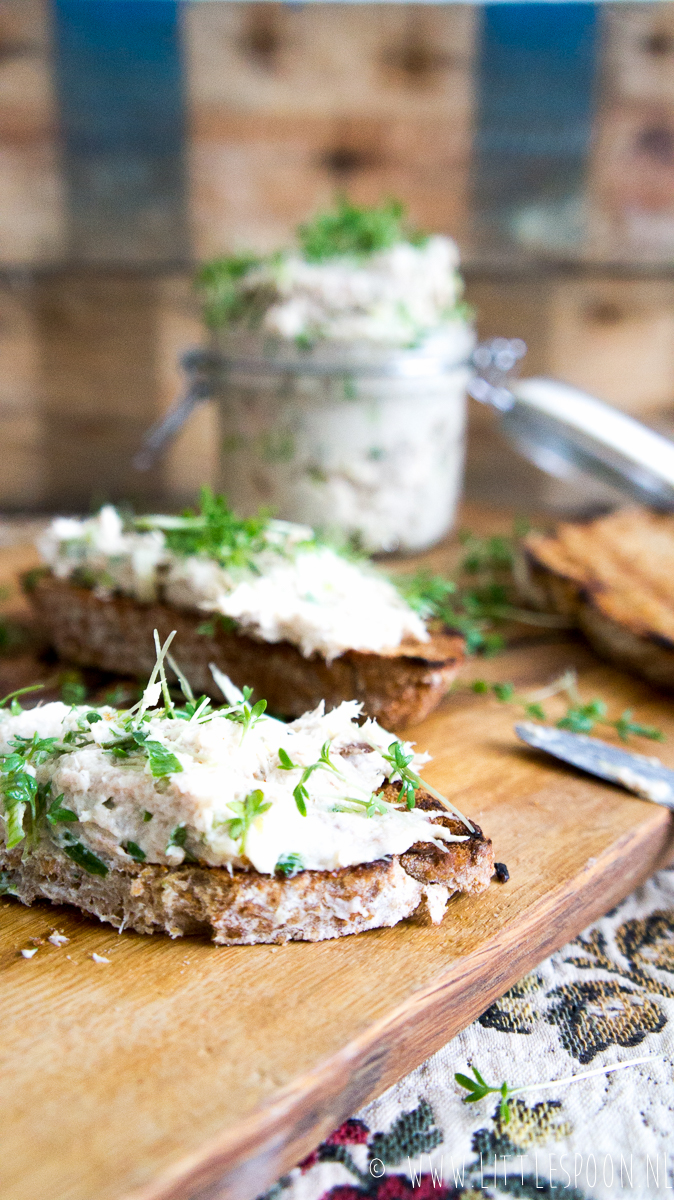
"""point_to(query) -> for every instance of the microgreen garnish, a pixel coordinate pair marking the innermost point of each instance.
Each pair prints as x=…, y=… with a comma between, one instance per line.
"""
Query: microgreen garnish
x=18, y=785
x=73, y=691
x=244, y=714
x=224, y=302
x=483, y=597
x=213, y=530
x=15, y=707
x=355, y=231
x=373, y=806
x=161, y=655
x=178, y=837
x=134, y=851
x=399, y=759
x=478, y=1088
x=210, y=628
x=195, y=710
x=57, y=814
x=247, y=811
x=300, y=792
x=409, y=780
x=580, y=716
x=161, y=761
x=84, y=857
x=200, y=710
x=289, y=865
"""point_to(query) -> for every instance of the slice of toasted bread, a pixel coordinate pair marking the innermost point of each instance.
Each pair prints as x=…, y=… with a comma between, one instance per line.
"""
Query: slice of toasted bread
x=398, y=687
x=245, y=907
x=614, y=577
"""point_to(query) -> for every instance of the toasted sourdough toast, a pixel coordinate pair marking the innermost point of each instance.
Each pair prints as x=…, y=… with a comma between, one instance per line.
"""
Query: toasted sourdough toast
x=397, y=688
x=245, y=907
x=614, y=577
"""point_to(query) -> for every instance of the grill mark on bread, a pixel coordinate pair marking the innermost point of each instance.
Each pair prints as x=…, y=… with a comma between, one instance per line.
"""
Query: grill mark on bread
x=613, y=576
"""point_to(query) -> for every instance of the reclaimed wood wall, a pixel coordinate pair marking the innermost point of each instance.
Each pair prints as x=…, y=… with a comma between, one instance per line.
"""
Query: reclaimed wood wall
x=259, y=113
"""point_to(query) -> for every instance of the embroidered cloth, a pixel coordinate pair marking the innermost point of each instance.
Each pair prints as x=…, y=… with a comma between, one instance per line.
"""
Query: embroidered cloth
x=605, y=998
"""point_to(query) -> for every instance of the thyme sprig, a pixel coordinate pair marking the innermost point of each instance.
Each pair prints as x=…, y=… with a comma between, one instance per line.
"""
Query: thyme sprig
x=477, y=1088
x=580, y=716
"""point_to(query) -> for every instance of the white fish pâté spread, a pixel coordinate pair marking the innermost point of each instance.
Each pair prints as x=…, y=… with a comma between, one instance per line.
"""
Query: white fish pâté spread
x=272, y=579
x=230, y=787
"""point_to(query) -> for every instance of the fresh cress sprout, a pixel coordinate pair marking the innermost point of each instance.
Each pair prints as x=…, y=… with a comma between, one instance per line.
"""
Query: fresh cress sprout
x=580, y=716
x=247, y=812
x=300, y=792
x=477, y=1088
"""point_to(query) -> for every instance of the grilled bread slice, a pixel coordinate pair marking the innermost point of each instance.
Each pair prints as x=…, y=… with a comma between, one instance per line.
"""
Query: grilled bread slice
x=614, y=577
x=397, y=687
x=244, y=907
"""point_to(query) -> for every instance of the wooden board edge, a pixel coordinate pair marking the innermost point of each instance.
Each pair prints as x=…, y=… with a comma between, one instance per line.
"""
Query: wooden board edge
x=240, y=1163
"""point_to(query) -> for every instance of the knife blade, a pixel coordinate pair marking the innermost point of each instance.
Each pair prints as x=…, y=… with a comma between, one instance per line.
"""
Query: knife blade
x=644, y=776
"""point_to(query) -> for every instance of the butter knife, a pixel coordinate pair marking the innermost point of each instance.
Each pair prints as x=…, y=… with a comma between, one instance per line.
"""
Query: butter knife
x=638, y=773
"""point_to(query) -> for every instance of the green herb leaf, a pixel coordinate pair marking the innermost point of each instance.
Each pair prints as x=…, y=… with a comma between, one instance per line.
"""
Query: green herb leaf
x=218, y=282
x=57, y=814
x=400, y=762
x=134, y=851
x=213, y=531
x=289, y=865
x=352, y=230
x=582, y=718
x=178, y=837
x=626, y=726
x=243, y=714
x=34, y=687
x=301, y=796
x=84, y=857
x=162, y=761
x=73, y=692
x=247, y=811
x=285, y=761
x=147, y=816
x=7, y=884
x=503, y=691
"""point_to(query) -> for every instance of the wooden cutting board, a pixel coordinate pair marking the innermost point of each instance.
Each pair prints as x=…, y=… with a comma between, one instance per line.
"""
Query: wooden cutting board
x=182, y=1070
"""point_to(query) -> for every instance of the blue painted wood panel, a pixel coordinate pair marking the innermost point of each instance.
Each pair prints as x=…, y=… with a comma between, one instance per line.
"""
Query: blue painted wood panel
x=536, y=76
x=120, y=86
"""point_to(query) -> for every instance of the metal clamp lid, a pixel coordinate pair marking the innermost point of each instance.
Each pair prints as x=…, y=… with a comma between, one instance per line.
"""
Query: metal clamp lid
x=565, y=431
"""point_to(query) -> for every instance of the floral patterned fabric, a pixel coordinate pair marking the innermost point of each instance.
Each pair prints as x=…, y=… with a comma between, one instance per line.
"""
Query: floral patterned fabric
x=605, y=998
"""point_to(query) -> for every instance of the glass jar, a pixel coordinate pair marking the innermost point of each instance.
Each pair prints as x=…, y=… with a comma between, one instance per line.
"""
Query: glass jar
x=359, y=442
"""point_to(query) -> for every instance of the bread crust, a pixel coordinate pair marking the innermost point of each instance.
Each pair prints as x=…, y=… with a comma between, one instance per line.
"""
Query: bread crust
x=613, y=577
x=399, y=687
x=244, y=908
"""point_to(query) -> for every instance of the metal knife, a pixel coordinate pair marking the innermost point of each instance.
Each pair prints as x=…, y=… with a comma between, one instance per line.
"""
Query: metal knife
x=638, y=773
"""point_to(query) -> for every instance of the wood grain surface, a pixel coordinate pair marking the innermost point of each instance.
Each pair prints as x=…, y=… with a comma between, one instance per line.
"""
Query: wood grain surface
x=184, y=1071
